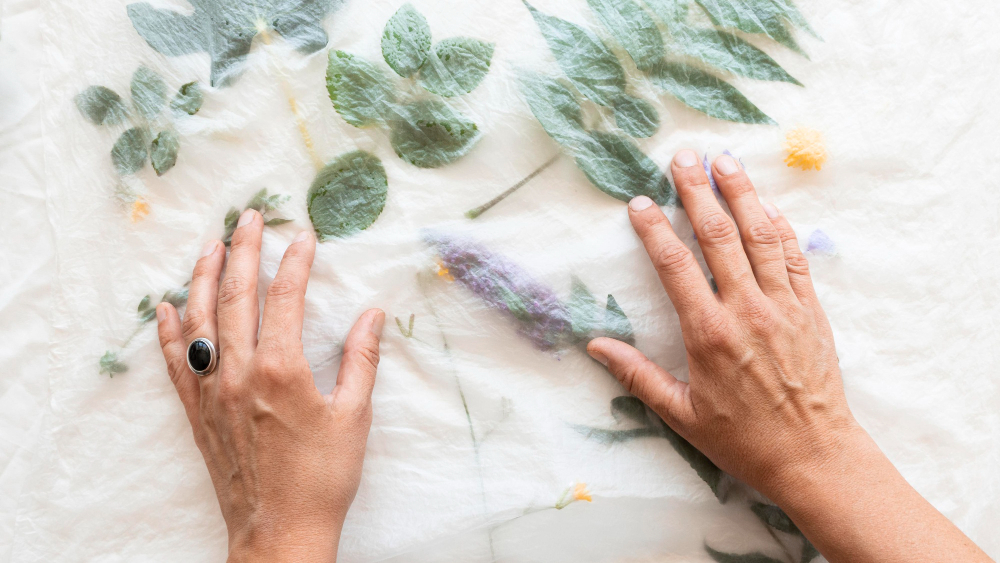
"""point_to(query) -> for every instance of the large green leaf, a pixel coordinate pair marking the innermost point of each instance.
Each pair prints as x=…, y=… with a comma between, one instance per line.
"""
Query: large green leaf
x=754, y=557
x=225, y=29
x=616, y=323
x=629, y=407
x=633, y=28
x=163, y=152
x=429, y=133
x=406, y=41
x=775, y=518
x=149, y=92
x=636, y=117
x=583, y=311
x=129, y=152
x=583, y=57
x=618, y=168
x=360, y=91
x=456, y=66
x=347, y=196
x=102, y=106
x=707, y=93
x=729, y=52
x=795, y=16
x=554, y=106
x=670, y=12
x=708, y=471
x=752, y=16
x=188, y=99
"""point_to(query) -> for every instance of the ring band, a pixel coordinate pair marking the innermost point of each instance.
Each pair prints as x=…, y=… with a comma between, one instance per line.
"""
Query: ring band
x=202, y=357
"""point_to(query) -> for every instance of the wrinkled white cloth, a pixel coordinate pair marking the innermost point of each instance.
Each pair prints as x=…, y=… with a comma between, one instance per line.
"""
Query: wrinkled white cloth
x=105, y=469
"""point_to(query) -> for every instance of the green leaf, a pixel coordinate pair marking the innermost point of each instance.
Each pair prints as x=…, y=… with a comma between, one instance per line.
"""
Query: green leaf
x=110, y=364
x=809, y=552
x=670, y=12
x=147, y=315
x=755, y=557
x=188, y=99
x=707, y=93
x=232, y=219
x=706, y=470
x=583, y=311
x=795, y=16
x=616, y=324
x=176, y=297
x=636, y=117
x=606, y=436
x=163, y=151
x=347, y=196
x=774, y=517
x=149, y=92
x=225, y=29
x=629, y=407
x=429, y=133
x=102, y=106
x=583, y=57
x=129, y=152
x=730, y=53
x=144, y=304
x=259, y=202
x=618, y=168
x=276, y=222
x=554, y=106
x=360, y=91
x=456, y=66
x=752, y=16
x=633, y=28
x=406, y=41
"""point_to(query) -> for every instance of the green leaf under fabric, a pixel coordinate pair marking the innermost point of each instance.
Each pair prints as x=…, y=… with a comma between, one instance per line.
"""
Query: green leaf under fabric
x=629, y=407
x=456, y=66
x=144, y=304
x=225, y=29
x=793, y=15
x=554, y=106
x=583, y=310
x=633, y=28
x=163, y=152
x=429, y=133
x=730, y=53
x=636, y=117
x=406, y=41
x=130, y=151
x=110, y=364
x=149, y=92
x=669, y=12
x=347, y=195
x=707, y=93
x=774, y=517
x=753, y=16
x=583, y=57
x=616, y=323
x=176, y=297
x=616, y=166
x=360, y=91
x=606, y=436
x=188, y=99
x=755, y=557
x=102, y=106
x=706, y=470
x=809, y=552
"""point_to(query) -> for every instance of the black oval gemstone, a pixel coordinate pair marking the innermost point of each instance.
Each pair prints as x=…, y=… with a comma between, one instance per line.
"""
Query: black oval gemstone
x=199, y=355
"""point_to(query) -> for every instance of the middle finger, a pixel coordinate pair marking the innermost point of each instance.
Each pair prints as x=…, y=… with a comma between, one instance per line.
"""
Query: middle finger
x=239, y=307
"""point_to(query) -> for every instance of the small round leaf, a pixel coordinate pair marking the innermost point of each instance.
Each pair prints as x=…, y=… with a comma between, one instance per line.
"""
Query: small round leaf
x=129, y=153
x=456, y=66
x=163, y=152
x=102, y=106
x=347, y=196
x=406, y=41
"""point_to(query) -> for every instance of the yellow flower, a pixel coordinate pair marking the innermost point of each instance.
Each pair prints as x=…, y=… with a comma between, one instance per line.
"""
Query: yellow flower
x=805, y=148
x=574, y=493
x=140, y=209
x=580, y=492
x=443, y=272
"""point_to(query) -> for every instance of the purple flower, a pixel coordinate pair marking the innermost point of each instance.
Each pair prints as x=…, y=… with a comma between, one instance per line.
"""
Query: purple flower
x=708, y=170
x=820, y=243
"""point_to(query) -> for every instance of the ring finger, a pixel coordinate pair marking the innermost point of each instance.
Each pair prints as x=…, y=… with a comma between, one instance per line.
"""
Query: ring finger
x=203, y=298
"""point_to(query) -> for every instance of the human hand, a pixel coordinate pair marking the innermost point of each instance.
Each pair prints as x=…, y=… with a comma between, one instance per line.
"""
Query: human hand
x=285, y=460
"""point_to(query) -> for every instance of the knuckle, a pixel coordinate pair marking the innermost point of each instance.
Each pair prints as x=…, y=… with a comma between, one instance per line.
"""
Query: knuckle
x=714, y=332
x=786, y=234
x=741, y=186
x=233, y=288
x=228, y=393
x=716, y=228
x=761, y=233
x=176, y=366
x=366, y=354
x=797, y=264
x=629, y=376
x=202, y=267
x=194, y=319
x=282, y=288
x=757, y=316
x=670, y=255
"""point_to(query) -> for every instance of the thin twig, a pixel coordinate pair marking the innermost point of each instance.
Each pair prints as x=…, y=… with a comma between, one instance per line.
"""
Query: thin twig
x=473, y=213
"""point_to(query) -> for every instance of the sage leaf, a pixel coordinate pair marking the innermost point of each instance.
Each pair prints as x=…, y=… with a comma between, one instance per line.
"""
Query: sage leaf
x=583, y=57
x=102, y=106
x=188, y=99
x=583, y=310
x=225, y=29
x=429, y=133
x=616, y=324
x=755, y=557
x=456, y=66
x=406, y=41
x=360, y=91
x=774, y=517
x=129, y=152
x=554, y=106
x=110, y=364
x=752, y=16
x=707, y=93
x=347, y=195
x=618, y=168
x=633, y=28
x=149, y=92
x=670, y=12
x=636, y=117
x=163, y=151
x=730, y=53
x=629, y=407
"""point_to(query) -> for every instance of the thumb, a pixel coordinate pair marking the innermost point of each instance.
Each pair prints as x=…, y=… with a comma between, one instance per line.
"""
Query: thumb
x=360, y=361
x=650, y=383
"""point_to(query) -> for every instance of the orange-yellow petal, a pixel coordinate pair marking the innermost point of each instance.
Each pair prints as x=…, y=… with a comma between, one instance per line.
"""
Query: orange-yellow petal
x=805, y=149
x=580, y=492
x=140, y=209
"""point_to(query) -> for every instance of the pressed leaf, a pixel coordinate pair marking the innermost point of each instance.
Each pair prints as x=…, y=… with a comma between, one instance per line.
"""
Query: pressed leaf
x=456, y=66
x=188, y=99
x=583, y=311
x=809, y=552
x=163, y=152
x=129, y=152
x=669, y=11
x=703, y=466
x=774, y=517
x=583, y=57
x=347, y=196
x=149, y=92
x=144, y=304
x=795, y=16
x=277, y=221
x=752, y=16
x=636, y=117
x=110, y=364
x=629, y=407
x=406, y=41
x=554, y=106
x=232, y=219
x=707, y=93
x=360, y=91
x=606, y=436
x=616, y=324
x=102, y=106
x=618, y=168
x=429, y=133
x=755, y=557
x=729, y=52
x=176, y=297
x=633, y=28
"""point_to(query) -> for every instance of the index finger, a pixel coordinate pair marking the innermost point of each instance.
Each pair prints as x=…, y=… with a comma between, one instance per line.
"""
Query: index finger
x=239, y=309
x=284, y=306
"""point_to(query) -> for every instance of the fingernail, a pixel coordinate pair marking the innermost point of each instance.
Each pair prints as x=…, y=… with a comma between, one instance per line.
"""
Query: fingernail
x=377, y=323
x=639, y=203
x=599, y=357
x=301, y=237
x=246, y=217
x=686, y=159
x=209, y=249
x=161, y=313
x=726, y=165
x=771, y=211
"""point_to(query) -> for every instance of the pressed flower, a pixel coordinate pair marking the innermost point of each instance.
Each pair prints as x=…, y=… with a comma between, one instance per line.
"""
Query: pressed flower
x=140, y=209
x=821, y=243
x=580, y=492
x=572, y=494
x=805, y=149
x=443, y=272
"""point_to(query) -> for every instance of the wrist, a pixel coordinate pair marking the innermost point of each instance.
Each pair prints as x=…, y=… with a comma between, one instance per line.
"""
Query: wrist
x=278, y=543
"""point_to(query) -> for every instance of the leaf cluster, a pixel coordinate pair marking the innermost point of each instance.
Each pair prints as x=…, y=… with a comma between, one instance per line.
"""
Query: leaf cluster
x=264, y=204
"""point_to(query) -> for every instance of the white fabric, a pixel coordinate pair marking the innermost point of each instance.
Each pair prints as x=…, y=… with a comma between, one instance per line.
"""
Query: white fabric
x=903, y=92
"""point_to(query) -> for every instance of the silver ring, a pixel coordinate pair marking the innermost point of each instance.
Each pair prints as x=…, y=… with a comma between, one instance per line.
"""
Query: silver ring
x=202, y=357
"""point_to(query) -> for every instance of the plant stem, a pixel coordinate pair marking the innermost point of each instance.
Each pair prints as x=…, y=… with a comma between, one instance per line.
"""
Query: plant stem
x=473, y=213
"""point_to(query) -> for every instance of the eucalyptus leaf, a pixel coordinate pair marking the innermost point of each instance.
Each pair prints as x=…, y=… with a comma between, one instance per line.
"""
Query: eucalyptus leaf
x=629, y=407
x=147, y=315
x=775, y=517
x=102, y=106
x=456, y=66
x=554, y=106
x=755, y=557
x=129, y=152
x=583, y=310
x=616, y=166
x=360, y=91
x=670, y=12
x=406, y=41
x=752, y=16
x=176, y=297
x=230, y=222
x=636, y=117
x=149, y=92
x=110, y=364
x=347, y=196
x=188, y=99
x=707, y=93
x=730, y=53
x=429, y=133
x=633, y=28
x=616, y=324
x=144, y=304
x=163, y=151
x=583, y=57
